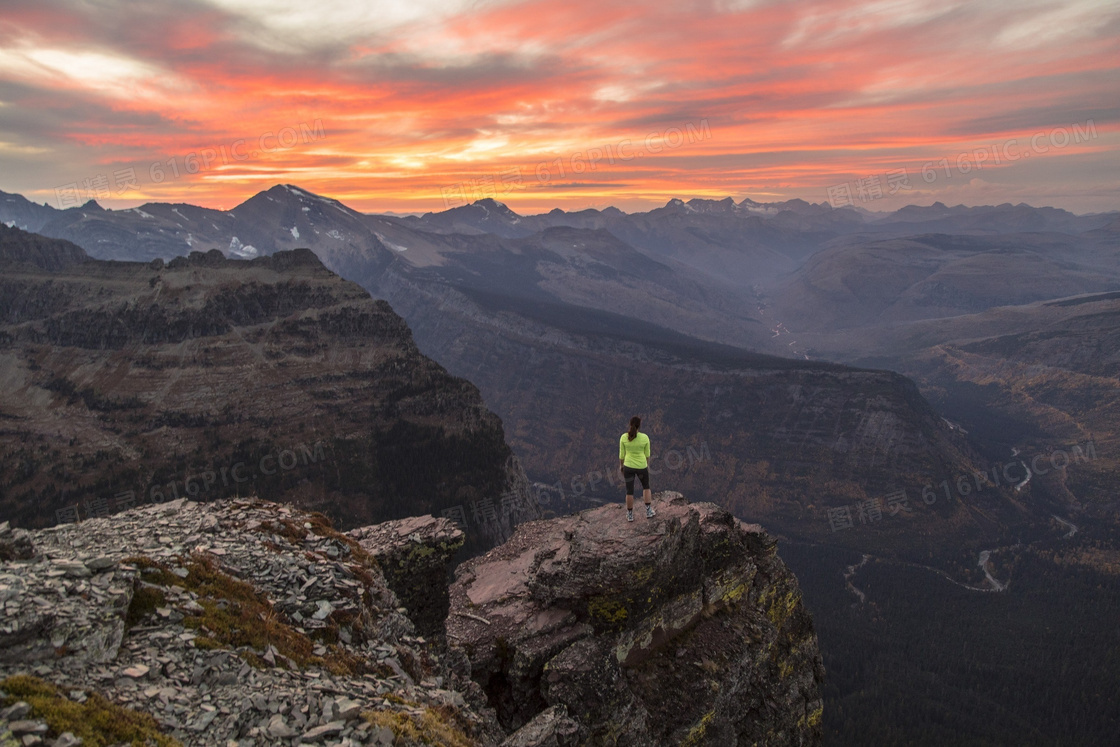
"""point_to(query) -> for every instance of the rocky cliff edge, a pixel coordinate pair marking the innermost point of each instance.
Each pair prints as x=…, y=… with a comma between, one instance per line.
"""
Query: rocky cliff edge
x=243, y=622
x=681, y=629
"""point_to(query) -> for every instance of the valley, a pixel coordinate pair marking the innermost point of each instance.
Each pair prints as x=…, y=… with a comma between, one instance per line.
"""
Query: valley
x=920, y=405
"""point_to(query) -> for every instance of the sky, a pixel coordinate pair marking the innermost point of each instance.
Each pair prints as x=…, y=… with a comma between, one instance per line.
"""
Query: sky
x=418, y=105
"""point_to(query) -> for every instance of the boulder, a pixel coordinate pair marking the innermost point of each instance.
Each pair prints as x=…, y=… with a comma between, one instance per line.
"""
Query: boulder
x=550, y=728
x=15, y=544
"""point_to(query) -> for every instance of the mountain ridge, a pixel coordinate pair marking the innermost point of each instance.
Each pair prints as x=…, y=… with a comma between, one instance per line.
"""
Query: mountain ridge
x=142, y=382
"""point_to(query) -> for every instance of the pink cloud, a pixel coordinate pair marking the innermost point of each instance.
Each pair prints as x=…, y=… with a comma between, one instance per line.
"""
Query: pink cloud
x=795, y=97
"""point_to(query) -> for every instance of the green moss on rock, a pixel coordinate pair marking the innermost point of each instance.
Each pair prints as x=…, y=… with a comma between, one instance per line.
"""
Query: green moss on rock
x=97, y=721
x=607, y=610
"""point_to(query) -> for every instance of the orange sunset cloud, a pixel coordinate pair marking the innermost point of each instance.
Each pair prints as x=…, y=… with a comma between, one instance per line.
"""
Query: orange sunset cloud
x=410, y=107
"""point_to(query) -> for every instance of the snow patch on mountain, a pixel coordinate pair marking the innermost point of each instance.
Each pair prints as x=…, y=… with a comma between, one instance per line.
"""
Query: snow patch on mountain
x=295, y=232
x=390, y=244
x=760, y=209
x=245, y=251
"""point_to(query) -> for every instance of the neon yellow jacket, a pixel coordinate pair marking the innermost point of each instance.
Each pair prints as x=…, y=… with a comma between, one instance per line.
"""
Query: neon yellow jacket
x=634, y=454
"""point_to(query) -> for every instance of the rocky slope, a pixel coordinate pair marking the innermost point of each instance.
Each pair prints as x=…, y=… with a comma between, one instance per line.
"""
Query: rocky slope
x=244, y=622
x=1036, y=378
x=128, y=383
x=235, y=622
x=681, y=629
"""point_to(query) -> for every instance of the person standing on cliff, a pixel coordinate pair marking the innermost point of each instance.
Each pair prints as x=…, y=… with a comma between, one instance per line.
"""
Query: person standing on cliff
x=633, y=460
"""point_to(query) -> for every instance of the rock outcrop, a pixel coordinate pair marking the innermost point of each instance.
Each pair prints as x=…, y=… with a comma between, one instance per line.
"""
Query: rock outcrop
x=38, y=251
x=682, y=629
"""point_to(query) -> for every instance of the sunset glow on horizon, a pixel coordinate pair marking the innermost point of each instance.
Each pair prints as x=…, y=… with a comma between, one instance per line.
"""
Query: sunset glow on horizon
x=420, y=106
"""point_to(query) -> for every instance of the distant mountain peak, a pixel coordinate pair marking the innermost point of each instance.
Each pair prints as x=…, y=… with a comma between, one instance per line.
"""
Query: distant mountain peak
x=490, y=204
x=290, y=190
x=711, y=206
x=292, y=196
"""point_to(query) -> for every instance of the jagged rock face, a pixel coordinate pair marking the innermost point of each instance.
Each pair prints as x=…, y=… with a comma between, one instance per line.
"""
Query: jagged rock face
x=128, y=383
x=681, y=629
x=415, y=555
x=255, y=623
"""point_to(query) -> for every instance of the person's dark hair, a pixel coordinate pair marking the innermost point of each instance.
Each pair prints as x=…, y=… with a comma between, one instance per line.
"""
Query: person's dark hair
x=635, y=424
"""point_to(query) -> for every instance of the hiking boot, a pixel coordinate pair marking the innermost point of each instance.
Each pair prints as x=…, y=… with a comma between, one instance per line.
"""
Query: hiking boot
x=629, y=514
x=650, y=513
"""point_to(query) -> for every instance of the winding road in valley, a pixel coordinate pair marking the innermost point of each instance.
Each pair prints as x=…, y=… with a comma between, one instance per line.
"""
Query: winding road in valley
x=991, y=583
x=1072, y=527
x=849, y=574
x=996, y=585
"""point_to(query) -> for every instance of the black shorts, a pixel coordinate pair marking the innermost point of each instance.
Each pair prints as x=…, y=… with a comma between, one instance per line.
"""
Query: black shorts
x=630, y=473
